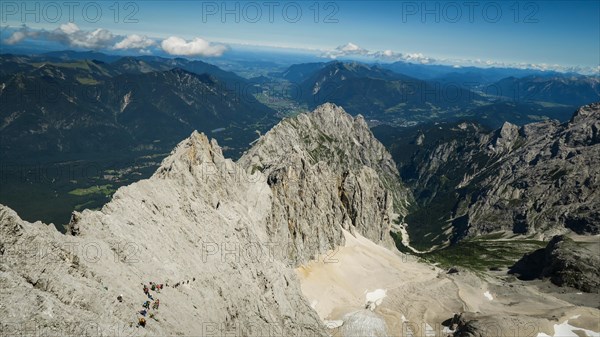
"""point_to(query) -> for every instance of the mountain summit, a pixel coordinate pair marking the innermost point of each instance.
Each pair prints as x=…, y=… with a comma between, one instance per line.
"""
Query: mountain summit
x=326, y=168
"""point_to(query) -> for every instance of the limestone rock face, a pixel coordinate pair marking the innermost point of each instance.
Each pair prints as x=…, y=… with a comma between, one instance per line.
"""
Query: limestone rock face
x=548, y=181
x=327, y=172
x=191, y=222
x=542, y=179
x=220, y=235
x=505, y=137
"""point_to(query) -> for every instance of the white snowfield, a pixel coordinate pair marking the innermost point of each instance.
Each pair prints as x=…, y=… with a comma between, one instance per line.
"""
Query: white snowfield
x=415, y=298
x=567, y=330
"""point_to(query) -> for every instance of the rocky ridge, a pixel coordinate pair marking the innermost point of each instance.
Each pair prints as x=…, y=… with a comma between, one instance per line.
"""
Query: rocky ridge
x=227, y=232
x=541, y=179
x=545, y=178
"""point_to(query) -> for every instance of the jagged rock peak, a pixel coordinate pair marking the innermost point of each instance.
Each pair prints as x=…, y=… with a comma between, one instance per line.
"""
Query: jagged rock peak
x=327, y=134
x=346, y=177
x=509, y=130
x=332, y=114
x=541, y=180
x=506, y=137
x=584, y=128
x=549, y=181
x=193, y=151
x=11, y=222
x=587, y=111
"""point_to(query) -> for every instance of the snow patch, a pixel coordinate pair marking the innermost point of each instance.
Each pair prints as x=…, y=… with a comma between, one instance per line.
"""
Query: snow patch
x=333, y=324
x=126, y=101
x=447, y=330
x=429, y=331
x=488, y=295
x=567, y=330
x=375, y=296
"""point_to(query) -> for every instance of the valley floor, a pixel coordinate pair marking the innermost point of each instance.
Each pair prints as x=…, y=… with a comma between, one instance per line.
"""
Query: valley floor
x=364, y=289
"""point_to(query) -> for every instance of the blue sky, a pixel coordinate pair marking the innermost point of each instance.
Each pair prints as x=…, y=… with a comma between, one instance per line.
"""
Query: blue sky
x=566, y=33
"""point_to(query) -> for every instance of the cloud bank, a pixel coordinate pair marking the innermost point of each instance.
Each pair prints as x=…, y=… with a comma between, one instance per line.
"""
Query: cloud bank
x=135, y=41
x=68, y=34
x=352, y=50
x=71, y=35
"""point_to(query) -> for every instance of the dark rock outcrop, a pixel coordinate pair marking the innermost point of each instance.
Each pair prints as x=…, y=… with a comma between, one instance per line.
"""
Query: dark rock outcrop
x=564, y=262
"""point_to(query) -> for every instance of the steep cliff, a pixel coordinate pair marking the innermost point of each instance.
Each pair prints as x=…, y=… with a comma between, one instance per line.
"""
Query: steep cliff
x=327, y=172
x=541, y=179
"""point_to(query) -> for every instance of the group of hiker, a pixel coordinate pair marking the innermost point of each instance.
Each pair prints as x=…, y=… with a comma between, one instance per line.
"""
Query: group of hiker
x=146, y=305
x=151, y=302
x=183, y=282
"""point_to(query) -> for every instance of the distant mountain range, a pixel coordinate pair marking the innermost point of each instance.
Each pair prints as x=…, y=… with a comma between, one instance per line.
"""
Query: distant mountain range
x=408, y=94
x=466, y=74
x=113, y=100
x=115, y=116
x=380, y=93
x=561, y=89
x=52, y=107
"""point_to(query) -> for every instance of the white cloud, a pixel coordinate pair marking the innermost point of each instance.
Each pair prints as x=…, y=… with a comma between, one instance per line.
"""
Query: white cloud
x=71, y=35
x=69, y=28
x=16, y=37
x=345, y=50
x=135, y=41
x=197, y=47
x=68, y=34
x=351, y=49
x=537, y=66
